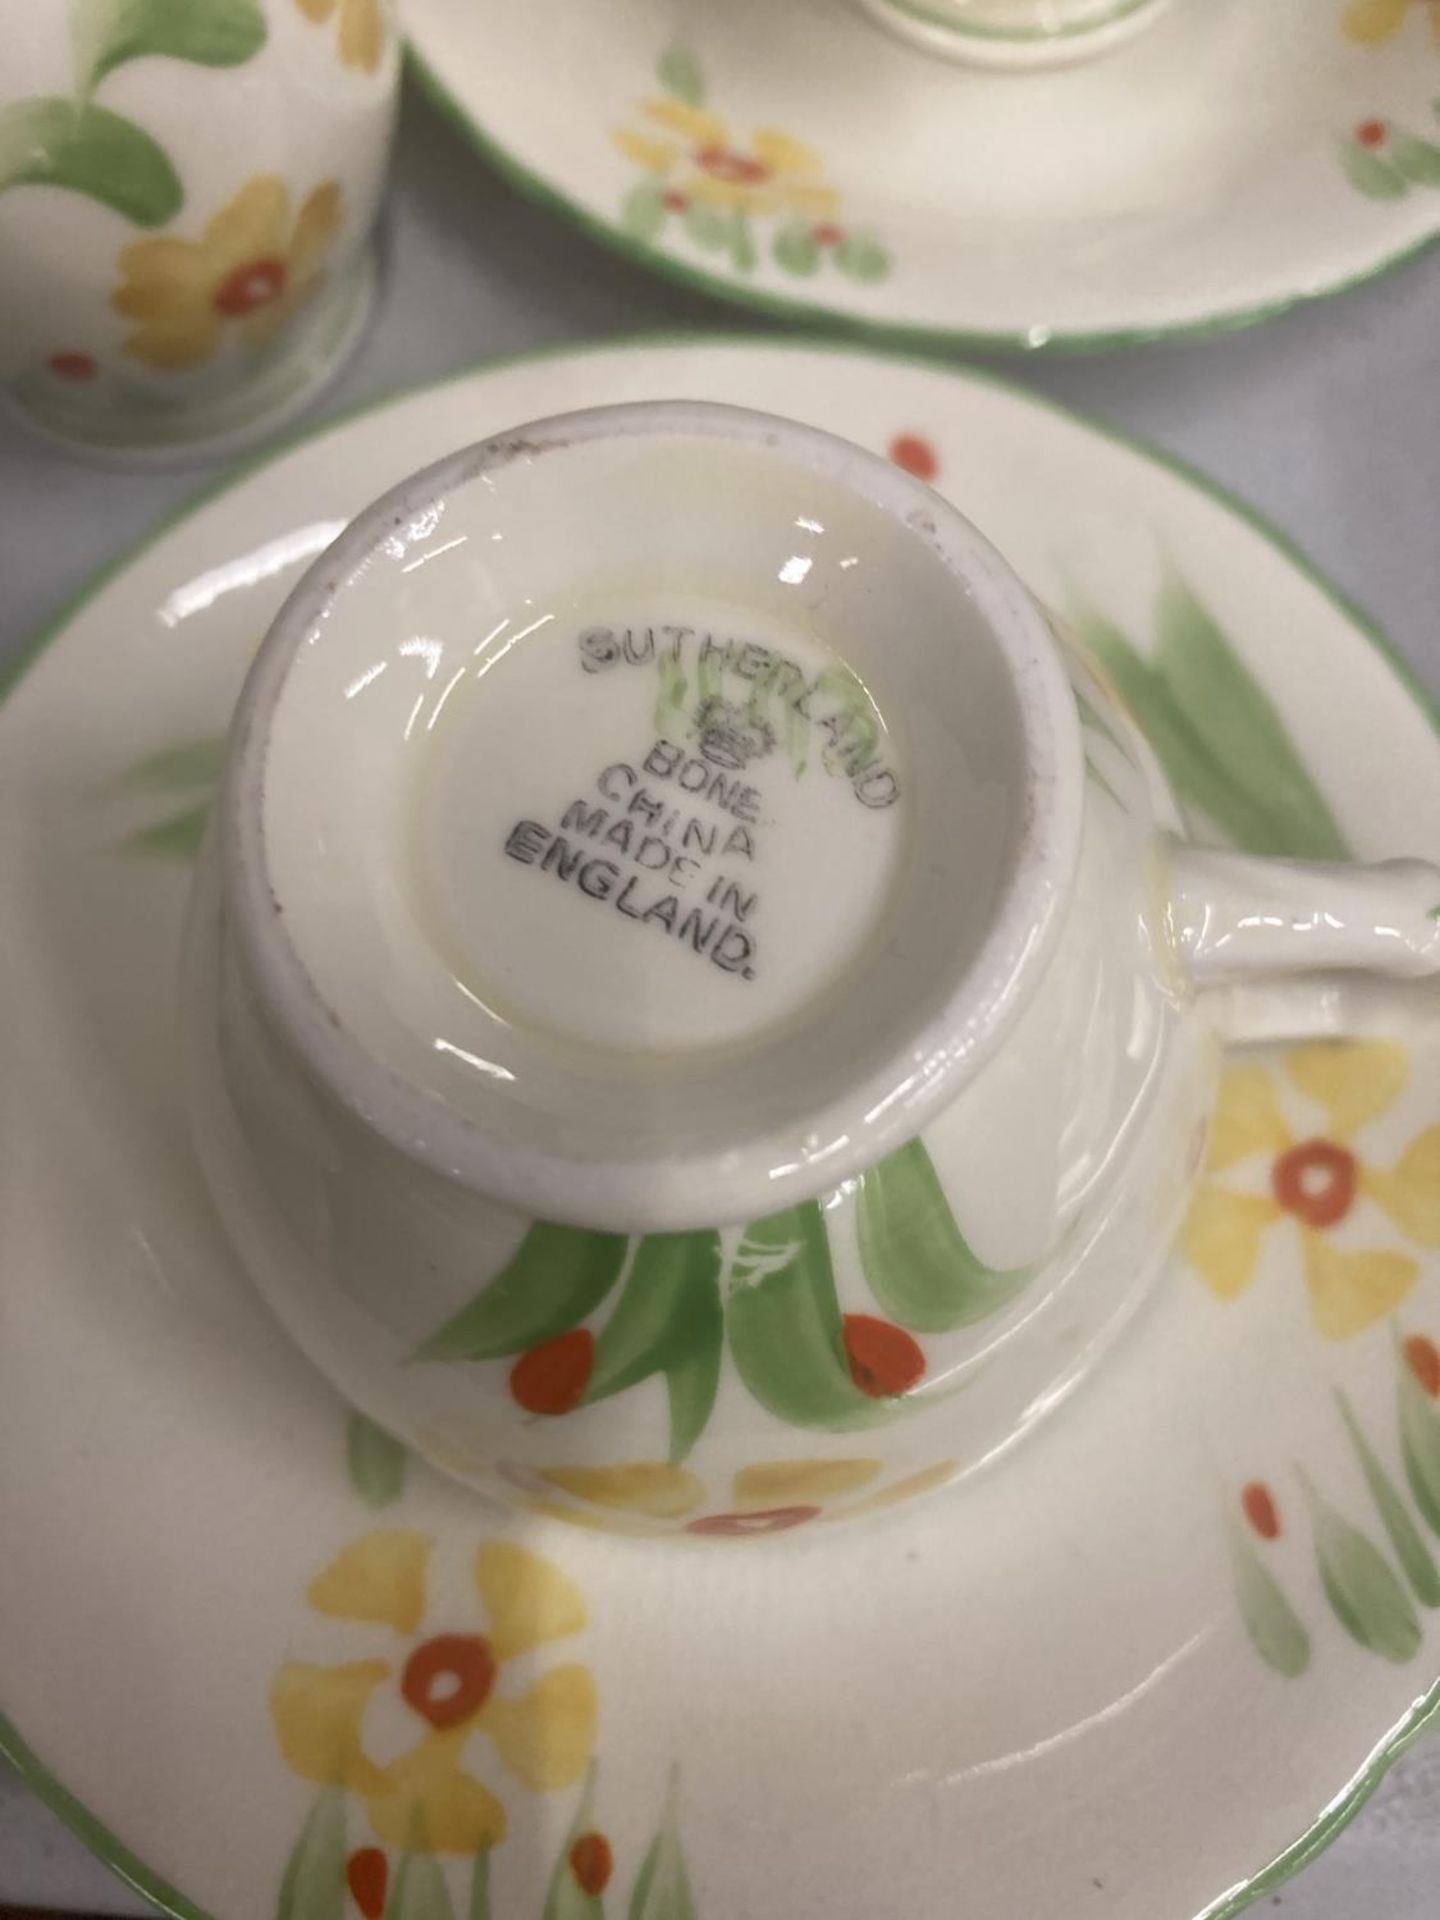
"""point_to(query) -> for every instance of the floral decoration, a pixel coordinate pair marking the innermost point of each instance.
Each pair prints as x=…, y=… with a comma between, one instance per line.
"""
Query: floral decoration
x=251, y=269
x=1373, y=22
x=773, y=1496
x=440, y=1677
x=726, y=191
x=1312, y=1176
x=362, y=29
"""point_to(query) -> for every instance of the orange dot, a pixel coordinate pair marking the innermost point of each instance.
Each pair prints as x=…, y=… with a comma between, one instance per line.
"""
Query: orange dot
x=1260, y=1509
x=552, y=1377
x=1371, y=133
x=72, y=366
x=592, y=1862
x=1423, y=1359
x=367, y=1876
x=884, y=1360
x=915, y=455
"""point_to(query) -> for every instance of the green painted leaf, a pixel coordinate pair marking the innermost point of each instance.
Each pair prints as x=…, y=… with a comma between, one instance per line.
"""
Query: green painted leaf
x=669, y=1320
x=1103, y=784
x=555, y=1279
x=1419, y=1442
x=313, y=1887
x=1198, y=779
x=1417, y=160
x=1091, y=717
x=916, y=1260
x=692, y=1383
x=742, y=242
x=194, y=763
x=785, y=1326
x=1239, y=724
x=1270, y=1620
x=679, y=73
x=1410, y=1550
x=1364, y=1594
x=1369, y=174
x=566, y=1899
x=480, y=1886
x=672, y=715
x=1173, y=740
x=376, y=1461
x=861, y=257
x=796, y=249
x=662, y=1886
x=85, y=149
x=707, y=226
x=213, y=33
x=418, y=1891
x=178, y=837
x=642, y=211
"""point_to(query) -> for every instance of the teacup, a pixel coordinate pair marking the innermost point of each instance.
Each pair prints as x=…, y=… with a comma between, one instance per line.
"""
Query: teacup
x=695, y=992
x=1016, y=33
x=187, y=199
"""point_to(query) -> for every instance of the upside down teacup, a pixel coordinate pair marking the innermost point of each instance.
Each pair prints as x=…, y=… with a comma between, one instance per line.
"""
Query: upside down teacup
x=696, y=991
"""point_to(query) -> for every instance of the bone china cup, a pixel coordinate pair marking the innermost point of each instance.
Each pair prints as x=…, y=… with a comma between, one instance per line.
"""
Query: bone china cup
x=694, y=974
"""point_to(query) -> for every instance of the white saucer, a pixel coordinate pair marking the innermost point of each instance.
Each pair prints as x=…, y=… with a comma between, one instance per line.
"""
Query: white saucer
x=1229, y=162
x=1109, y=1676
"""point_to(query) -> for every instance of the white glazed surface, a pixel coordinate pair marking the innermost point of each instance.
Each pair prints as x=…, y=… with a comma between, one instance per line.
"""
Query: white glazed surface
x=1187, y=181
x=1044, y=1047
x=294, y=112
x=745, y=1088
x=385, y=1111
x=1039, y=1684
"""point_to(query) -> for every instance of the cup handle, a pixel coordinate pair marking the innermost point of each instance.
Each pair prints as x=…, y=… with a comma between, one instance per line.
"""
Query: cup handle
x=1294, y=949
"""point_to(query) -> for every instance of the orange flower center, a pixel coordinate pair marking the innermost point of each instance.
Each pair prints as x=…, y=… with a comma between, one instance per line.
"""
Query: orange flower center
x=449, y=1678
x=722, y=164
x=1316, y=1182
x=592, y=1863
x=253, y=285
x=883, y=1358
x=737, y=1525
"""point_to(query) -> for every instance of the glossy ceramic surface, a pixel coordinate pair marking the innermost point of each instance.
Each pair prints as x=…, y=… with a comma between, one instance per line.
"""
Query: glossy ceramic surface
x=186, y=199
x=280, y=1665
x=1230, y=162
x=622, y=1123
x=1016, y=34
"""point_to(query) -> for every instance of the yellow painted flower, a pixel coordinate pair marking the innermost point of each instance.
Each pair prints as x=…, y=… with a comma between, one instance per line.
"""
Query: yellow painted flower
x=1372, y=22
x=1317, y=1180
x=702, y=163
x=449, y=1681
x=362, y=29
x=249, y=271
x=770, y=1497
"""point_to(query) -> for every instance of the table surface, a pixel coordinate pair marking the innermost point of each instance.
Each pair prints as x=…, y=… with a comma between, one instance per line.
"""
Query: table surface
x=1327, y=421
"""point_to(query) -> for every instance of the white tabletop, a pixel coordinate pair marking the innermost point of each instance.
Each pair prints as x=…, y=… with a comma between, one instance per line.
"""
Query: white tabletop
x=1328, y=422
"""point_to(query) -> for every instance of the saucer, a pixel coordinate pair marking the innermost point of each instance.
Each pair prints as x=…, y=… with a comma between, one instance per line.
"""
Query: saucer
x=1228, y=163
x=268, y=1665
